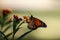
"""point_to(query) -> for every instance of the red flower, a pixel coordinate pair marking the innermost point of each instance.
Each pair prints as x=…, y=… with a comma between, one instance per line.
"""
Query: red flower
x=6, y=11
x=27, y=19
x=17, y=19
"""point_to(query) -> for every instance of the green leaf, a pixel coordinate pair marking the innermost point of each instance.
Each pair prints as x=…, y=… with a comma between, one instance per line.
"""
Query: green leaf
x=18, y=27
x=16, y=30
x=14, y=25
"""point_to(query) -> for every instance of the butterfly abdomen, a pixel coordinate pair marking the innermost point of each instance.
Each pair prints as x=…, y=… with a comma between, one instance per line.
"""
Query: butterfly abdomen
x=43, y=24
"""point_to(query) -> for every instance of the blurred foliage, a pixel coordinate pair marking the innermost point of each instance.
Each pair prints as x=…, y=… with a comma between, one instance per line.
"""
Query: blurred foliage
x=6, y=23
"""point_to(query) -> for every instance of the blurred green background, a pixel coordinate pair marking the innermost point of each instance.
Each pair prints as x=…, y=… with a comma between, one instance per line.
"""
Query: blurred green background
x=48, y=11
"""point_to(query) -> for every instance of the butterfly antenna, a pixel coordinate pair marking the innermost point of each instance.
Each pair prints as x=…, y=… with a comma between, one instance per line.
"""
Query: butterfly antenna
x=30, y=14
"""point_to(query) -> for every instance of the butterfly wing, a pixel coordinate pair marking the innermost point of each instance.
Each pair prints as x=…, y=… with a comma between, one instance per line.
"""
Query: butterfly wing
x=43, y=24
x=31, y=24
x=40, y=23
x=35, y=23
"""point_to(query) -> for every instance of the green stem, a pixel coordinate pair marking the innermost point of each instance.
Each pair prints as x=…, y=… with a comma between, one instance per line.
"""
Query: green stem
x=3, y=35
x=20, y=24
x=13, y=34
x=20, y=38
x=9, y=34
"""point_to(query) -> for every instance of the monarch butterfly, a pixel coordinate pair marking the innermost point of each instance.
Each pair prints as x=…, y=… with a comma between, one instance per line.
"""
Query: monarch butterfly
x=34, y=23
